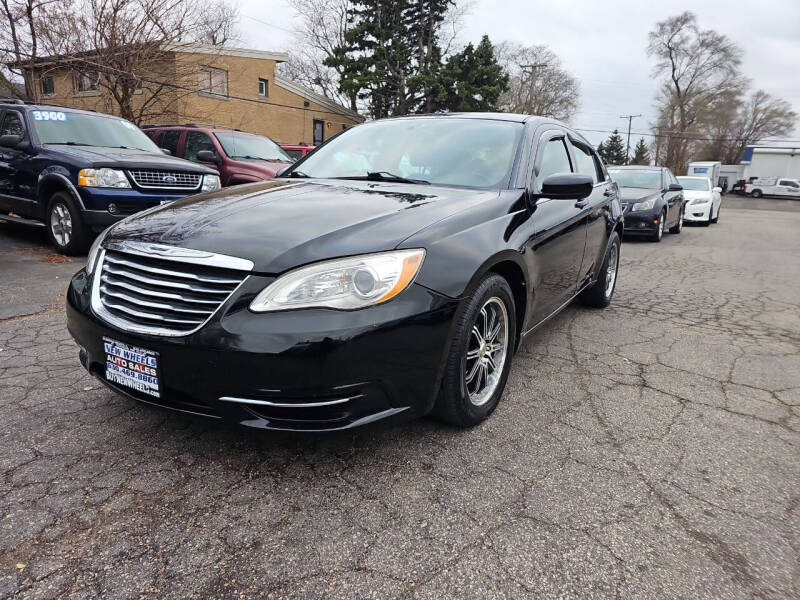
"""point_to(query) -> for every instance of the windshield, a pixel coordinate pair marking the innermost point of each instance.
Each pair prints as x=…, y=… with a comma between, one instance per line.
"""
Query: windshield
x=695, y=183
x=443, y=151
x=243, y=145
x=648, y=179
x=65, y=127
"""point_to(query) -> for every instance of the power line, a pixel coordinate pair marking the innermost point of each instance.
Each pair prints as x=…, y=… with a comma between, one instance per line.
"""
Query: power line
x=675, y=135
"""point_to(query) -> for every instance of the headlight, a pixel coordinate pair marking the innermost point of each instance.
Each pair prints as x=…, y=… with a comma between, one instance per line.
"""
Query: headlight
x=700, y=201
x=345, y=283
x=646, y=205
x=210, y=183
x=91, y=258
x=112, y=178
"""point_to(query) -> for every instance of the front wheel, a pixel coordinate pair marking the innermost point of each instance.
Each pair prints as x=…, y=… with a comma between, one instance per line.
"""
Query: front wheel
x=480, y=354
x=719, y=208
x=678, y=227
x=659, y=232
x=65, y=227
x=757, y=194
x=600, y=293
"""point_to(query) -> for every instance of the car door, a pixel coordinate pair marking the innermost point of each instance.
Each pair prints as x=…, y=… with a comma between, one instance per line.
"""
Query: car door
x=596, y=209
x=559, y=229
x=17, y=181
x=674, y=200
x=788, y=188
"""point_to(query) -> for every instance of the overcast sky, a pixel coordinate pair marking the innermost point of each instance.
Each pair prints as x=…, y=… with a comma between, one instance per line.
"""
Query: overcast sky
x=603, y=44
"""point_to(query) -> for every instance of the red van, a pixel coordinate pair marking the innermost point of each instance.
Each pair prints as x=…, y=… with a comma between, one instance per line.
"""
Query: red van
x=297, y=151
x=238, y=156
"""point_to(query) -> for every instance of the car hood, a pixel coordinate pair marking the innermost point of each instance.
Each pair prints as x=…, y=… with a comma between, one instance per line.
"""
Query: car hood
x=281, y=224
x=692, y=194
x=636, y=194
x=123, y=158
x=258, y=168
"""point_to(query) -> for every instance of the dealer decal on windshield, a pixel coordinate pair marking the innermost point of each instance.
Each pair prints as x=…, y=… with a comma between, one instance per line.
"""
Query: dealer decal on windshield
x=49, y=115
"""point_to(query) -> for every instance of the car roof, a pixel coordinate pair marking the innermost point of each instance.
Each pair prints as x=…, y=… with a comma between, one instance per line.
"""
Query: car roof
x=637, y=167
x=27, y=106
x=691, y=177
x=486, y=116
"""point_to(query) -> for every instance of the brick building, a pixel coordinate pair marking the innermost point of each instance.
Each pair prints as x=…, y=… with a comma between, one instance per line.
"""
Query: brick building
x=223, y=87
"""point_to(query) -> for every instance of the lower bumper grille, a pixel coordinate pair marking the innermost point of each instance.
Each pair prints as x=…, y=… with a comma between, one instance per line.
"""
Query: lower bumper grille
x=160, y=296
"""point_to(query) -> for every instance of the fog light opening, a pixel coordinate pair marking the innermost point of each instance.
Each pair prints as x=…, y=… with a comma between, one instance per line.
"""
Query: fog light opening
x=113, y=209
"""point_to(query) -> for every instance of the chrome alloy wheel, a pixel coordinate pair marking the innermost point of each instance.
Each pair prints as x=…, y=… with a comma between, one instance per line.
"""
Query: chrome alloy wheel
x=61, y=224
x=486, y=351
x=611, y=270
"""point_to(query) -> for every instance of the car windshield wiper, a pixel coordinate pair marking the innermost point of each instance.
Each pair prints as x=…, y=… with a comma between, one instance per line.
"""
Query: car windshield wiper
x=69, y=144
x=250, y=157
x=385, y=176
x=298, y=174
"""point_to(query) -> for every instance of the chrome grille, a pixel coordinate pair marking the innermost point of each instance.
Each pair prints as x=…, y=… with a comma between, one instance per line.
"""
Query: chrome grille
x=160, y=296
x=154, y=178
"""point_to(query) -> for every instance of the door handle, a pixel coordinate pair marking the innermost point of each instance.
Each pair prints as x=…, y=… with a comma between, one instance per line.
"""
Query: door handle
x=581, y=203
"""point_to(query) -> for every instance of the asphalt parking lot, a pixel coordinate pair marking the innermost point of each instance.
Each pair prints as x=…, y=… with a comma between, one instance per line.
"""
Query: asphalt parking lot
x=648, y=450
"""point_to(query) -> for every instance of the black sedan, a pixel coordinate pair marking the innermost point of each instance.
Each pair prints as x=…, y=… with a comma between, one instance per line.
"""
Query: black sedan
x=652, y=200
x=391, y=272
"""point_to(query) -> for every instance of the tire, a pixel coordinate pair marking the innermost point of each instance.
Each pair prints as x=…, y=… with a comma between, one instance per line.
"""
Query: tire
x=65, y=226
x=462, y=400
x=757, y=194
x=659, y=232
x=678, y=227
x=600, y=293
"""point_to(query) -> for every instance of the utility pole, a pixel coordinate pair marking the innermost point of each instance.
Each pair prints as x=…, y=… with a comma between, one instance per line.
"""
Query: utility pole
x=628, y=146
x=528, y=85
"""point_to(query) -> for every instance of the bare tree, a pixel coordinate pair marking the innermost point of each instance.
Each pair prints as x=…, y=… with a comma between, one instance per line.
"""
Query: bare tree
x=219, y=23
x=696, y=67
x=19, y=36
x=538, y=84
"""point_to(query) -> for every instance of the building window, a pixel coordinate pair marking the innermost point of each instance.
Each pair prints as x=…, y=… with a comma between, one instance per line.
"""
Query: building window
x=87, y=81
x=213, y=81
x=263, y=88
x=48, y=85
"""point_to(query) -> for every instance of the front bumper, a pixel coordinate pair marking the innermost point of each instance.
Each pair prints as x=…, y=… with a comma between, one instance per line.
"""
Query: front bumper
x=641, y=221
x=96, y=202
x=697, y=212
x=306, y=370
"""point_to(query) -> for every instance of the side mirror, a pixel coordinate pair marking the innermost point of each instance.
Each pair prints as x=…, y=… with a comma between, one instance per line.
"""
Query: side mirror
x=10, y=140
x=567, y=186
x=207, y=156
x=675, y=187
x=167, y=151
x=717, y=189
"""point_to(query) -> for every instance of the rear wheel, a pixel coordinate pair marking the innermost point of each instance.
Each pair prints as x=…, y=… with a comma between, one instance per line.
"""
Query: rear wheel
x=65, y=227
x=757, y=194
x=600, y=293
x=480, y=354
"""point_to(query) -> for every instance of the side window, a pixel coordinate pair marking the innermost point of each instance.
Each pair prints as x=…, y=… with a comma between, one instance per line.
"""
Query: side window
x=555, y=159
x=12, y=124
x=195, y=142
x=584, y=162
x=169, y=140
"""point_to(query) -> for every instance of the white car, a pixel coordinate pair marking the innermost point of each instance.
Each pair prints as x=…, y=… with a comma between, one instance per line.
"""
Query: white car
x=703, y=202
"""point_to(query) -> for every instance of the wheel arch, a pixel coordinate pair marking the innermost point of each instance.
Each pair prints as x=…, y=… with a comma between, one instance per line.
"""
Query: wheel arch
x=51, y=182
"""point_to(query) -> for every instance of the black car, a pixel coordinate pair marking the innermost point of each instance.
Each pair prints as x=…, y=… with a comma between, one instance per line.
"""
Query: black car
x=652, y=200
x=393, y=271
x=77, y=172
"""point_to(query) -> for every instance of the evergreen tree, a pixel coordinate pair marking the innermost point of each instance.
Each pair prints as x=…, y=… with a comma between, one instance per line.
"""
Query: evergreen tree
x=641, y=154
x=474, y=80
x=391, y=56
x=612, y=151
